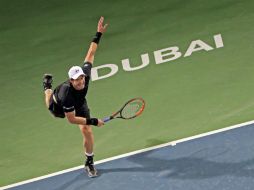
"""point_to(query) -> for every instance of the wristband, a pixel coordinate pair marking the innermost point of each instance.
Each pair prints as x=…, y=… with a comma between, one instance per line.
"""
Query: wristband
x=92, y=121
x=97, y=37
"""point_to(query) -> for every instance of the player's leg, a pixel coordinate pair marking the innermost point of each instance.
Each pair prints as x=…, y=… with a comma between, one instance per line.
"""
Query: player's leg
x=88, y=143
x=48, y=94
x=88, y=138
x=47, y=85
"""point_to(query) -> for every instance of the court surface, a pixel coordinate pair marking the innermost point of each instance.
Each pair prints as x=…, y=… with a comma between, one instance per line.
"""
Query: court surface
x=208, y=90
x=222, y=159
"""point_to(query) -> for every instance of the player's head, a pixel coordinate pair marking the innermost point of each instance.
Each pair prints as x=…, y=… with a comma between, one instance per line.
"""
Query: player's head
x=77, y=77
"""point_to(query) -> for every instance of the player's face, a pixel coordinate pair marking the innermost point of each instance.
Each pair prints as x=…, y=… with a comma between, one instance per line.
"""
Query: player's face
x=78, y=83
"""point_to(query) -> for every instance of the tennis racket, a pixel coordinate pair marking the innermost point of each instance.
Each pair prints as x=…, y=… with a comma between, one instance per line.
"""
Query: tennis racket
x=131, y=109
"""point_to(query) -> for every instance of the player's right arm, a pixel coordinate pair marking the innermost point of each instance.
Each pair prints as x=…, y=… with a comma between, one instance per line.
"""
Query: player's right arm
x=68, y=102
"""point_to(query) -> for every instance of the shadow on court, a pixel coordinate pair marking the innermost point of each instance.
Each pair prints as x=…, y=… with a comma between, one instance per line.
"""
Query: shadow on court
x=186, y=167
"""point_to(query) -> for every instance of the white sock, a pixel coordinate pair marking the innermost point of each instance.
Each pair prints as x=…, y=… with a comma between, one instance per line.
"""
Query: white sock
x=87, y=154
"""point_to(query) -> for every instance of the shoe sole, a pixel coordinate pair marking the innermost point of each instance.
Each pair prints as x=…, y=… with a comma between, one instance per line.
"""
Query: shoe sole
x=90, y=174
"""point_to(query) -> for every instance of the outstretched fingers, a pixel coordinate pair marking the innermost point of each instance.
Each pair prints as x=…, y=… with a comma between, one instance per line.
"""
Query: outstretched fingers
x=102, y=28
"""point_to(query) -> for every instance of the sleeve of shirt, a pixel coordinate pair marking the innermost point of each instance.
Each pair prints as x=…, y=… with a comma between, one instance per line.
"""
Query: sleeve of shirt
x=68, y=103
x=68, y=106
x=87, y=68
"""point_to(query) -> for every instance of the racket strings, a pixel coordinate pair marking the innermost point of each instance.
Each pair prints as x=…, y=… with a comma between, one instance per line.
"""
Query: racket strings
x=131, y=109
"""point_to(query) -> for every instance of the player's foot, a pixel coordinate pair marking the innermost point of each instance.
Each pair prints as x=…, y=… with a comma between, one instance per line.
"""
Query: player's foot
x=47, y=81
x=89, y=167
x=91, y=171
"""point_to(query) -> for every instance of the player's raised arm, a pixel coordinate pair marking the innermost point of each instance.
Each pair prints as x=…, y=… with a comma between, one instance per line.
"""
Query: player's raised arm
x=101, y=28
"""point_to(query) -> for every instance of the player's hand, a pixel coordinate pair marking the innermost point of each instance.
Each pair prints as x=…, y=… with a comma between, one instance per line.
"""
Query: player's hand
x=100, y=123
x=101, y=28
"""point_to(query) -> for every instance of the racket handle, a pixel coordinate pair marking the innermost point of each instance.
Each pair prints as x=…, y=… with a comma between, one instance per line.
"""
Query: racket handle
x=106, y=119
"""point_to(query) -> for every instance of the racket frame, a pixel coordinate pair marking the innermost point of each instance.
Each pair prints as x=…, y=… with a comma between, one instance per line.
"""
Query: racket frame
x=114, y=115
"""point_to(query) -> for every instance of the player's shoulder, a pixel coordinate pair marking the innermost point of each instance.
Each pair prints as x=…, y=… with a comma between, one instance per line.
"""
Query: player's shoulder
x=64, y=91
x=87, y=65
x=66, y=84
x=87, y=68
x=64, y=87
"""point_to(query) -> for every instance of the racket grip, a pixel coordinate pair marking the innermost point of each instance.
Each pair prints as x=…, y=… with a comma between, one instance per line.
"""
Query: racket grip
x=106, y=119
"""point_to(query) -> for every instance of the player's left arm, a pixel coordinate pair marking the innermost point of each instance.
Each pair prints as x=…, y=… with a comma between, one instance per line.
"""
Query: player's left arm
x=101, y=28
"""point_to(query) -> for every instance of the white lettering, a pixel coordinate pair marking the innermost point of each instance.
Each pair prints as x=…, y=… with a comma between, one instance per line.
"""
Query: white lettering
x=218, y=41
x=197, y=45
x=94, y=72
x=160, y=56
x=171, y=52
x=145, y=62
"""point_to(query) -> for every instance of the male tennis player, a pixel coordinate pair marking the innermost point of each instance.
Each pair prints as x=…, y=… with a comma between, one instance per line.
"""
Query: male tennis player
x=68, y=99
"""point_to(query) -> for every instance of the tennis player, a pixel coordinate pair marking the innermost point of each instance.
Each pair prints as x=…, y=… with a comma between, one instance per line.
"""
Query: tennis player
x=69, y=99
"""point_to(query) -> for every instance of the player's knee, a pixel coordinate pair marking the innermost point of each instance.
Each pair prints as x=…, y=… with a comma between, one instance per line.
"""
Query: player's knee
x=86, y=129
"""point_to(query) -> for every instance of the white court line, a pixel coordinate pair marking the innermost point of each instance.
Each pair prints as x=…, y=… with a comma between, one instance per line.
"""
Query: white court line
x=130, y=154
